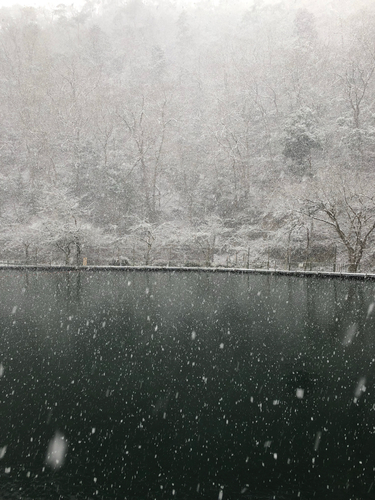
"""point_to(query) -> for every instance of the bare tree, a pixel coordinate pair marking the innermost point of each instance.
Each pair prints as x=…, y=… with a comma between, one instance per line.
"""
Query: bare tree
x=346, y=205
x=146, y=126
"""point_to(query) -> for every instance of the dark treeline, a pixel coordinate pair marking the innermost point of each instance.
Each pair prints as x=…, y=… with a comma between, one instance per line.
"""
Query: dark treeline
x=158, y=130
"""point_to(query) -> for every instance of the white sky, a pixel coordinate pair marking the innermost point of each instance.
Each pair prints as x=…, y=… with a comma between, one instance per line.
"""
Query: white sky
x=49, y=3
x=38, y=3
x=78, y=3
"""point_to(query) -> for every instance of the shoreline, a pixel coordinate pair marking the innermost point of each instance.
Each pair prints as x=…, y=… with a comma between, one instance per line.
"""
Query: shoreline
x=280, y=272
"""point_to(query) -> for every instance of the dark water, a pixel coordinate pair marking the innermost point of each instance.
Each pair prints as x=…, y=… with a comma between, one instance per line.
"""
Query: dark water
x=186, y=386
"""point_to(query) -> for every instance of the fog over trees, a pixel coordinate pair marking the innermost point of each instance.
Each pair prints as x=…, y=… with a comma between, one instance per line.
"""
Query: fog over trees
x=226, y=132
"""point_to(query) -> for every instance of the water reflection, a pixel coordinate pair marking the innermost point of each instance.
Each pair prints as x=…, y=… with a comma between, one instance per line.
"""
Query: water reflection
x=186, y=386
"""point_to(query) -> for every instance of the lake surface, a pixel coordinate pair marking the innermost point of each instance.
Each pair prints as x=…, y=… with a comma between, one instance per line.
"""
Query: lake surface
x=154, y=385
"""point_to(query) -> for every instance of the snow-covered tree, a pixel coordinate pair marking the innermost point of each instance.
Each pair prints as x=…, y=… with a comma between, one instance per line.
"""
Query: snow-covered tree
x=346, y=205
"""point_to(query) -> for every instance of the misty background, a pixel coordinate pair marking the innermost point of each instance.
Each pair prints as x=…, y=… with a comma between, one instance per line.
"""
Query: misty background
x=228, y=132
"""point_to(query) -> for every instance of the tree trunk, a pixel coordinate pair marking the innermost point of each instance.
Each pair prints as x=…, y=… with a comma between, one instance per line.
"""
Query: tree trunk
x=353, y=266
x=78, y=252
x=353, y=261
x=148, y=253
x=67, y=255
x=27, y=252
x=307, y=252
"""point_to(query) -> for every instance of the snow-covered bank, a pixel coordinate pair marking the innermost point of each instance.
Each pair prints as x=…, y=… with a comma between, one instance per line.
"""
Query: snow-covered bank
x=280, y=272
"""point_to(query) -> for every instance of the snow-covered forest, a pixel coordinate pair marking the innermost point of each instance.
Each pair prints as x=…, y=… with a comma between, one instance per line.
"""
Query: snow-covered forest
x=228, y=132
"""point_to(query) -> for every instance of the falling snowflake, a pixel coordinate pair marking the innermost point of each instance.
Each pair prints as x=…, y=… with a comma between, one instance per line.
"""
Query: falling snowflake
x=56, y=452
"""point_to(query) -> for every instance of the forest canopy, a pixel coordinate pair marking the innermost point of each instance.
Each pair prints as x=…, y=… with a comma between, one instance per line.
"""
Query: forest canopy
x=224, y=132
